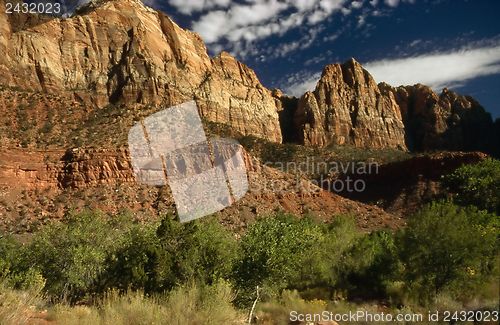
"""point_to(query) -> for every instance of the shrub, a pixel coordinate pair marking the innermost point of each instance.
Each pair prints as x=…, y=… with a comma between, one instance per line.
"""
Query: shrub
x=201, y=250
x=138, y=263
x=289, y=253
x=275, y=251
x=156, y=259
x=372, y=265
x=477, y=184
x=71, y=256
x=9, y=251
x=12, y=270
x=448, y=248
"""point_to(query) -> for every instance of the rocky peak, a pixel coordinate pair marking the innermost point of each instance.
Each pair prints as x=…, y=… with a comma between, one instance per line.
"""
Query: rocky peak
x=347, y=108
x=94, y=4
x=123, y=52
x=445, y=121
x=231, y=68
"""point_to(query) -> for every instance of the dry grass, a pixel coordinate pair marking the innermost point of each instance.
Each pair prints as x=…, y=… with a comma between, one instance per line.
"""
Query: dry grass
x=189, y=304
x=186, y=305
x=18, y=306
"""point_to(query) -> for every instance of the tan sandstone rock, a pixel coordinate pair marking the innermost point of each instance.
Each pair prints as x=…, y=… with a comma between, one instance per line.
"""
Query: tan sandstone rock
x=348, y=108
x=121, y=51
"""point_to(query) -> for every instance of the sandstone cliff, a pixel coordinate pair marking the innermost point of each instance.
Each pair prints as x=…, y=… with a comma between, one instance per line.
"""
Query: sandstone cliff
x=124, y=54
x=445, y=121
x=39, y=186
x=121, y=51
x=348, y=107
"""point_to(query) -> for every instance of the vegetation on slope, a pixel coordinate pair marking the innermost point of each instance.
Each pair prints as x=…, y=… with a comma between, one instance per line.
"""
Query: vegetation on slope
x=447, y=257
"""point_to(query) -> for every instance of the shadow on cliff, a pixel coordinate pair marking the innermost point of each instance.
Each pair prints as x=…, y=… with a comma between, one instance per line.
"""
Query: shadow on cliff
x=403, y=187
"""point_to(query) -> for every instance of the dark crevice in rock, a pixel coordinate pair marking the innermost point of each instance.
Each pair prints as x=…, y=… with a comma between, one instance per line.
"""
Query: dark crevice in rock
x=289, y=130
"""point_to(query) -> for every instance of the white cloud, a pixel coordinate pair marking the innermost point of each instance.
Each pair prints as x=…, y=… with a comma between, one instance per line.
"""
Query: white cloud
x=438, y=70
x=325, y=56
x=304, y=5
x=392, y=3
x=241, y=25
x=395, y=3
x=357, y=4
x=190, y=6
x=259, y=19
x=282, y=50
x=218, y=24
x=238, y=26
x=299, y=83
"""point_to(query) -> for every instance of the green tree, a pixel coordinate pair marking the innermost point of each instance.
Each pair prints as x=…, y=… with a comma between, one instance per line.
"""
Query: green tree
x=477, y=184
x=139, y=263
x=72, y=255
x=202, y=250
x=284, y=252
x=275, y=251
x=9, y=250
x=371, y=265
x=157, y=258
x=447, y=247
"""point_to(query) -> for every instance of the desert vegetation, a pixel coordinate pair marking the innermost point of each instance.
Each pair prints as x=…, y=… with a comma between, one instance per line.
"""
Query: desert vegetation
x=95, y=268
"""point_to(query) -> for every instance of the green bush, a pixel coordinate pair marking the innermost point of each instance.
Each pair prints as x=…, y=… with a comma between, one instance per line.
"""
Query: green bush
x=9, y=252
x=372, y=265
x=138, y=263
x=285, y=252
x=91, y=252
x=201, y=250
x=448, y=248
x=71, y=256
x=12, y=269
x=477, y=184
x=275, y=251
x=156, y=259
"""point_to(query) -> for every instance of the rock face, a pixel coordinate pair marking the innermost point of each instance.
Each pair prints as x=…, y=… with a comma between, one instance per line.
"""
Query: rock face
x=123, y=54
x=34, y=185
x=348, y=107
x=58, y=169
x=447, y=121
x=121, y=51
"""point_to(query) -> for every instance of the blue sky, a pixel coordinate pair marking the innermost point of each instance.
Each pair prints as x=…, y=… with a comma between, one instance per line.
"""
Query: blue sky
x=447, y=43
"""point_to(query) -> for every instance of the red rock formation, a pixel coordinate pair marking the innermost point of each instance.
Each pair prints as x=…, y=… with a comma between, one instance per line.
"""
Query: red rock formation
x=403, y=187
x=121, y=51
x=447, y=121
x=124, y=53
x=348, y=108
x=80, y=173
